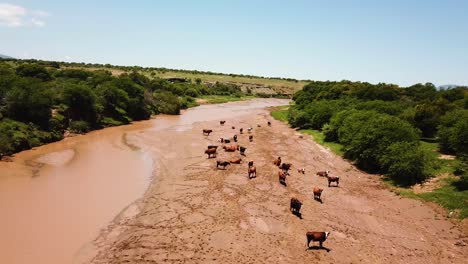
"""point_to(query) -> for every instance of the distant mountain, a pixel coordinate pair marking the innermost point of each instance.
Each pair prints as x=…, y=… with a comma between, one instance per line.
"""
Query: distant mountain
x=448, y=86
x=5, y=57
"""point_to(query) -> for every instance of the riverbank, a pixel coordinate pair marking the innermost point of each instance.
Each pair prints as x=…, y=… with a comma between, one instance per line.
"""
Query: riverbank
x=195, y=213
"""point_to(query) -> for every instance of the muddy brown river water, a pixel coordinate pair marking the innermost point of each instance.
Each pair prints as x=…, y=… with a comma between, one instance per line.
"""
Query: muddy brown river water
x=55, y=199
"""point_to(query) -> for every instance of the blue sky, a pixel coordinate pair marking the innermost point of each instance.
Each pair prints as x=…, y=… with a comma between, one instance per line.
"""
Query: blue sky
x=402, y=42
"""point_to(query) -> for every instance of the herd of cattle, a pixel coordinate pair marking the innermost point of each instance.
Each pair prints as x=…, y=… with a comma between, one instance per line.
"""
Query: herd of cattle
x=283, y=173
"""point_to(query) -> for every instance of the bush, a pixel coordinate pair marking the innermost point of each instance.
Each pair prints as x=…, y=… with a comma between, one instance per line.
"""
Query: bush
x=79, y=126
x=167, y=103
x=367, y=135
x=405, y=163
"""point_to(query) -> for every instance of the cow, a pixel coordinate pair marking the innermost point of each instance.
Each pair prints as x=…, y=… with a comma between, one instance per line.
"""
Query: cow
x=286, y=166
x=234, y=138
x=323, y=173
x=242, y=150
x=250, y=138
x=282, y=177
x=333, y=179
x=212, y=147
x=252, y=170
x=211, y=152
x=230, y=148
x=316, y=236
x=301, y=170
x=233, y=127
x=317, y=194
x=236, y=161
x=207, y=131
x=277, y=162
x=224, y=140
x=295, y=206
x=269, y=123
x=222, y=122
x=250, y=163
x=259, y=125
x=241, y=130
x=249, y=129
x=222, y=164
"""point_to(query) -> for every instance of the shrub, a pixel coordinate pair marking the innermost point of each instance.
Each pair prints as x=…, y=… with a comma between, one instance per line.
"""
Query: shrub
x=405, y=162
x=79, y=126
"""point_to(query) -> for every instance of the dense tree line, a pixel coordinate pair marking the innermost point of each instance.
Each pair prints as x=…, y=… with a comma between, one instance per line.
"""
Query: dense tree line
x=380, y=126
x=39, y=101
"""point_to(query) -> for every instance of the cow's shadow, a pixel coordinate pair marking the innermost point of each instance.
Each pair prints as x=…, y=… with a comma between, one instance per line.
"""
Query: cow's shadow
x=318, y=248
x=318, y=199
x=298, y=214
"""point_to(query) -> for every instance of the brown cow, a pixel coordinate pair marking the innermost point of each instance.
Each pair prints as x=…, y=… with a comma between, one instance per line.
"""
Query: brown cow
x=317, y=194
x=207, y=131
x=295, y=206
x=241, y=130
x=269, y=123
x=286, y=166
x=234, y=138
x=250, y=138
x=333, y=179
x=282, y=177
x=250, y=163
x=224, y=140
x=230, y=148
x=222, y=164
x=236, y=161
x=252, y=172
x=212, y=146
x=222, y=122
x=277, y=161
x=323, y=173
x=211, y=152
x=316, y=236
x=233, y=127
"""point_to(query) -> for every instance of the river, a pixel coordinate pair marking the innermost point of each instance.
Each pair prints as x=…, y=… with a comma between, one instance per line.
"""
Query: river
x=55, y=199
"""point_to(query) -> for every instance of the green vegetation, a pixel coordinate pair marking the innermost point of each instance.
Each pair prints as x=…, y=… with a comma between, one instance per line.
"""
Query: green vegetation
x=280, y=113
x=219, y=99
x=39, y=100
x=398, y=132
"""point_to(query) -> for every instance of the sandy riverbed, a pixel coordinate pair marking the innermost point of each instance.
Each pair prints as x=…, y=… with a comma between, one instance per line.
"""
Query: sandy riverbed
x=194, y=213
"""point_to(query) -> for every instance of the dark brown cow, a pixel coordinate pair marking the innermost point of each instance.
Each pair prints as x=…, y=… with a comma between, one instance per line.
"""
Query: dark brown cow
x=212, y=147
x=207, y=131
x=295, y=206
x=250, y=138
x=323, y=173
x=222, y=122
x=222, y=163
x=236, y=161
x=286, y=166
x=233, y=127
x=269, y=123
x=241, y=130
x=277, y=161
x=224, y=140
x=252, y=172
x=333, y=179
x=282, y=177
x=235, y=138
x=317, y=194
x=242, y=150
x=250, y=163
x=259, y=126
x=317, y=236
x=211, y=152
